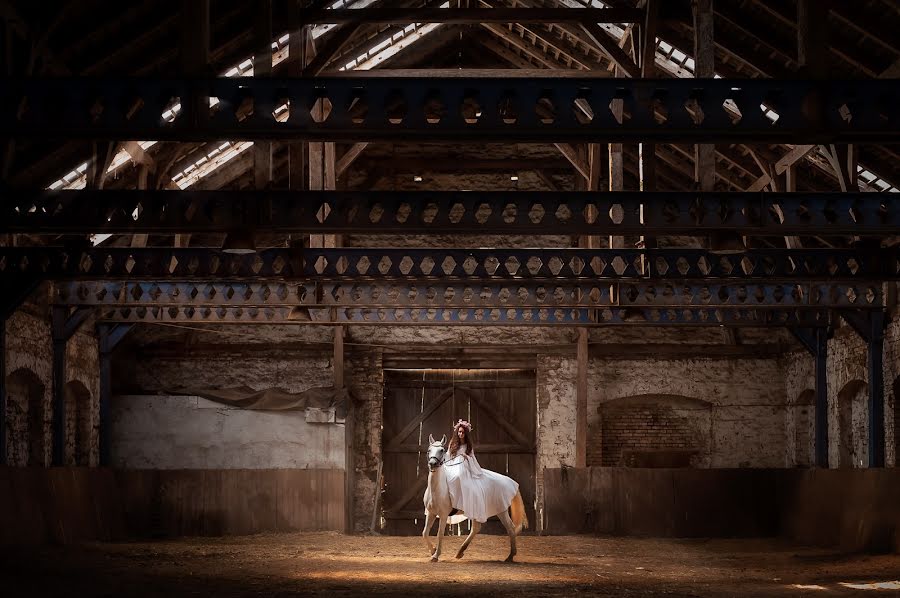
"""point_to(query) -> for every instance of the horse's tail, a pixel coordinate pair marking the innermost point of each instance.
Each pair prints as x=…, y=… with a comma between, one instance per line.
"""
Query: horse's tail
x=517, y=513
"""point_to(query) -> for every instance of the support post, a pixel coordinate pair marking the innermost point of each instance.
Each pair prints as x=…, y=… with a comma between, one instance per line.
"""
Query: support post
x=349, y=457
x=3, y=391
x=581, y=400
x=876, y=389
x=195, y=32
x=704, y=57
x=821, y=399
x=58, y=443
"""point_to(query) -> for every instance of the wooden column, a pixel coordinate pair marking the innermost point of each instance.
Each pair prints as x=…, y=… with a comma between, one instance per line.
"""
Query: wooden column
x=812, y=39
x=704, y=67
x=876, y=389
x=262, y=67
x=195, y=54
x=581, y=397
x=105, y=395
x=648, y=39
x=349, y=432
x=821, y=399
x=194, y=63
x=3, y=391
x=616, y=170
x=58, y=427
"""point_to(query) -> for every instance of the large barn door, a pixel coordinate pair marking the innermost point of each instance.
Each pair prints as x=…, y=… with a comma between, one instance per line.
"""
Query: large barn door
x=502, y=408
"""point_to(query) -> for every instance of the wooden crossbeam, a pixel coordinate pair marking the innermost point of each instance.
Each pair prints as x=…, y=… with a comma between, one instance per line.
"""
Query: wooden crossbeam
x=415, y=423
x=498, y=420
x=610, y=47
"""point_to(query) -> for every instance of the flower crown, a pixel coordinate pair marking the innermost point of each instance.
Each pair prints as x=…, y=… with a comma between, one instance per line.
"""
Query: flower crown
x=464, y=424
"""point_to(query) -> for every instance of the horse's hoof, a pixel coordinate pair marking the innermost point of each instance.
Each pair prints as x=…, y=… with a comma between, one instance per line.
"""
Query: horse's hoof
x=434, y=559
x=509, y=559
x=459, y=555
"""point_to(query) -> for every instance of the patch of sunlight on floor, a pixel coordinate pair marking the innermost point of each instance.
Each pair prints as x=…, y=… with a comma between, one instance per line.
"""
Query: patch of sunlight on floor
x=875, y=585
x=807, y=586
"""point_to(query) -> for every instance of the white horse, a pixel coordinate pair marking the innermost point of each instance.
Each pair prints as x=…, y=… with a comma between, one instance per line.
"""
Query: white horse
x=437, y=506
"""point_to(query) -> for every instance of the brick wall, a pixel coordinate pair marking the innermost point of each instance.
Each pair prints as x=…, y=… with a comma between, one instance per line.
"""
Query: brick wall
x=651, y=431
x=747, y=410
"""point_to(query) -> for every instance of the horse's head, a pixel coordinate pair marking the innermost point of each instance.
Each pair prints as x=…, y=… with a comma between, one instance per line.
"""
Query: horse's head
x=436, y=452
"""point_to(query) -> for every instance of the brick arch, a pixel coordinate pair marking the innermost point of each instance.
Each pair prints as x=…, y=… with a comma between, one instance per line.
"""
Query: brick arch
x=78, y=423
x=805, y=428
x=852, y=425
x=652, y=430
x=26, y=419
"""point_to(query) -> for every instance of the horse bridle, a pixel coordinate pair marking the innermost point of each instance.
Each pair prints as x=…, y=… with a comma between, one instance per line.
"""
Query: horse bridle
x=443, y=460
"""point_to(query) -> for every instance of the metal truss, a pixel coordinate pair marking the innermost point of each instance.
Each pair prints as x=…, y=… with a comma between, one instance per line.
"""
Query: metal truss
x=472, y=16
x=480, y=295
x=521, y=212
x=432, y=264
x=454, y=109
x=469, y=316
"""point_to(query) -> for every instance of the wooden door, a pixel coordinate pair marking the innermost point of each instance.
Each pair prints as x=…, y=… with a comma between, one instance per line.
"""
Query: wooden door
x=501, y=404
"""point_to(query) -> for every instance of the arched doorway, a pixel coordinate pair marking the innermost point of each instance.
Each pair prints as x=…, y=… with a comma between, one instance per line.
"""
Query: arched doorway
x=78, y=423
x=26, y=419
x=852, y=425
x=804, y=428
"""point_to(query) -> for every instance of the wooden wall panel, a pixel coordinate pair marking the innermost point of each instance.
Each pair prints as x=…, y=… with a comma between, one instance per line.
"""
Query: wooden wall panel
x=71, y=504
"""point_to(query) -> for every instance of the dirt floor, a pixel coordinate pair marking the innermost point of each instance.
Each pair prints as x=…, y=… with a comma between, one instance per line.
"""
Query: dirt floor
x=336, y=565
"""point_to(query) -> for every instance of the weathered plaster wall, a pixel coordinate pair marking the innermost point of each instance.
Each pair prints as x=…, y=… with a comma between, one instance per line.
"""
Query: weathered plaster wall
x=555, y=378
x=364, y=378
x=183, y=432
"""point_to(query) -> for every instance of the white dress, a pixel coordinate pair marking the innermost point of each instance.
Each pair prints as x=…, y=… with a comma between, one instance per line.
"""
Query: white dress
x=479, y=493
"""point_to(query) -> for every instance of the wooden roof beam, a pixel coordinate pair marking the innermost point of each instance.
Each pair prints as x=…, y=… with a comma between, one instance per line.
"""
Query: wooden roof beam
x=471, y=16
x=610, y=47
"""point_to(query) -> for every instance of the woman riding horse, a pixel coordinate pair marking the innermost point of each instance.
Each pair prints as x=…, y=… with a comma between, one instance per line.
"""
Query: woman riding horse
x=457, y=481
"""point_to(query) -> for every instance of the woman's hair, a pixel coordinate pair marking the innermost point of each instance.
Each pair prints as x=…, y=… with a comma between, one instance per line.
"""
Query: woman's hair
x=454, y=441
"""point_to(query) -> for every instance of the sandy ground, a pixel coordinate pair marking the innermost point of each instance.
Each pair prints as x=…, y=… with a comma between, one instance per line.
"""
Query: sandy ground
x=335, y=565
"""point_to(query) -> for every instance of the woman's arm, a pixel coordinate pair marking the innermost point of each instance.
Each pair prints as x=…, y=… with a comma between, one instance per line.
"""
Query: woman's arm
x=474, y=467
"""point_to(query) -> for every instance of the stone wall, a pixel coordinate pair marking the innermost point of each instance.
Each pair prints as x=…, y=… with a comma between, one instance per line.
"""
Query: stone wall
x=799, y=421
x=29, y=370
x=83, y=410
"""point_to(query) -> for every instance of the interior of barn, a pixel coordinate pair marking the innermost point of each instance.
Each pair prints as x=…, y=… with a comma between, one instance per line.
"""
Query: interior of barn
x=254, y=253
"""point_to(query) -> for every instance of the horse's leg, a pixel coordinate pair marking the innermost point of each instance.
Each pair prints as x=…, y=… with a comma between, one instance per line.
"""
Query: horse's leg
x=476, y=526
x=426, y=533
x=440, y=536
x=511, y=531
